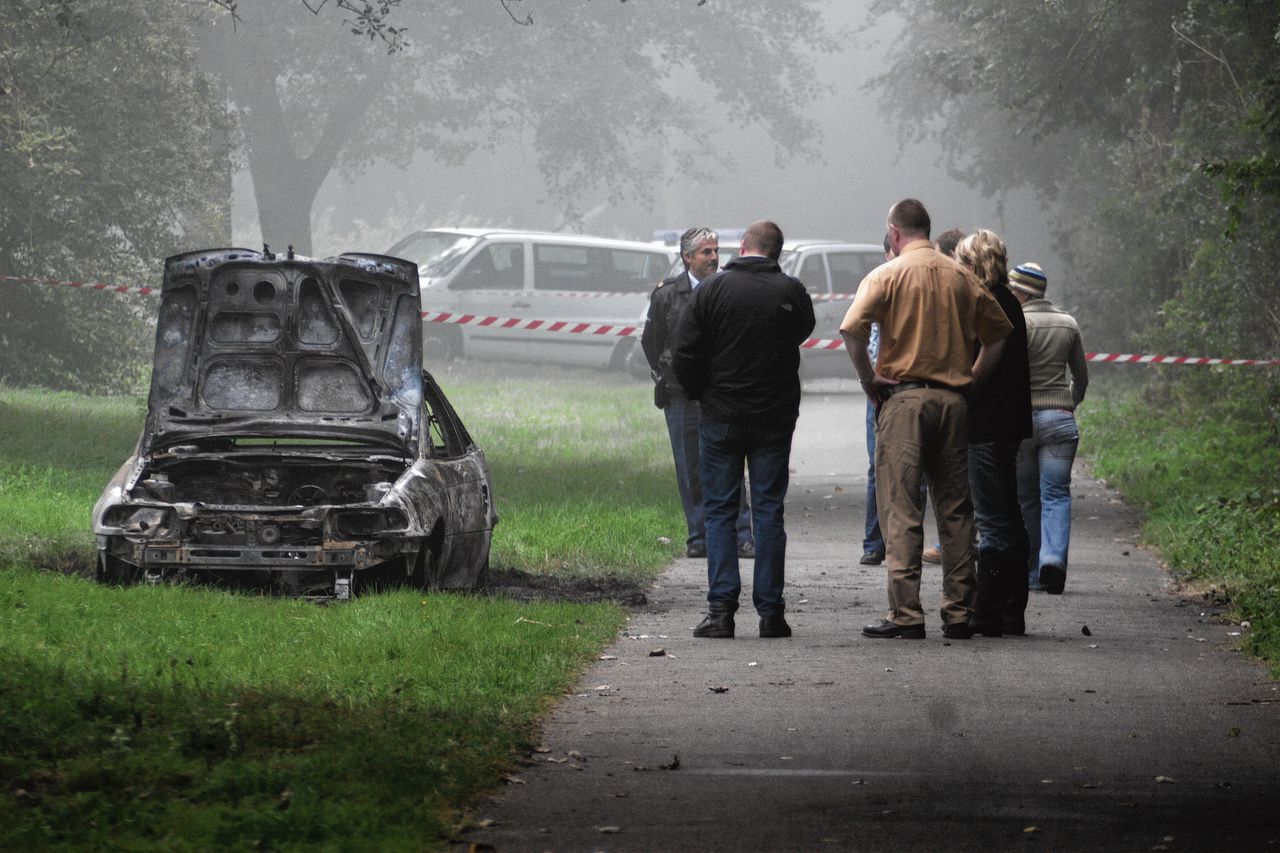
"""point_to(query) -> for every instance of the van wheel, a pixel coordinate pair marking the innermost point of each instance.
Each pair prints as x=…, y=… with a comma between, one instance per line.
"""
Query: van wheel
x=441, y=345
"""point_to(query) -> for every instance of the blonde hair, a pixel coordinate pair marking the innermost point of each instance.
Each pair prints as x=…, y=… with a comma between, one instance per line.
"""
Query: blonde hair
x=983, y=252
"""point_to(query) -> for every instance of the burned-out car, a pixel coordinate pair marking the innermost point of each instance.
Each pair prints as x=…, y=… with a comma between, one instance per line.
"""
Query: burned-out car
x=292, y=437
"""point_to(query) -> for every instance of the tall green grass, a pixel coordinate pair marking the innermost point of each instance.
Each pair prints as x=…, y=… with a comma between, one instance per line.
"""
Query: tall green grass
x=180, y=718
x=187, y=719
x=1207, y=474
x=582, y=474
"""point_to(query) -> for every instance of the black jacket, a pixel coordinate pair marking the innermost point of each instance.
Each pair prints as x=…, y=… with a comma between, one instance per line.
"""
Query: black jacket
x=665, y=305
x=1000, y=409
x=737, y=346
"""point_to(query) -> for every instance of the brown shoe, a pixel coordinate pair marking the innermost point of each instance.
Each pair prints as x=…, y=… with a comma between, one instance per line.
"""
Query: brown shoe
x=932, y=555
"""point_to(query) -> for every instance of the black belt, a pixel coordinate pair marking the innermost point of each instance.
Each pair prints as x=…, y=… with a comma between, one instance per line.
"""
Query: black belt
x=889, y=390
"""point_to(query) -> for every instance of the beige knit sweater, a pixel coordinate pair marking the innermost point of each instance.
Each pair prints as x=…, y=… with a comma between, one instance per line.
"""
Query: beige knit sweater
x=1059, y=373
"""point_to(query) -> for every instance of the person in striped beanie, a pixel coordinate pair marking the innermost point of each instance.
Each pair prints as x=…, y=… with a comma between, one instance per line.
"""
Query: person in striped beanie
x=1059, y=377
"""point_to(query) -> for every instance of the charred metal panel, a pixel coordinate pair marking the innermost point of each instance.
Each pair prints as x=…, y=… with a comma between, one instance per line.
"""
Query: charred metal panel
x=292, y=436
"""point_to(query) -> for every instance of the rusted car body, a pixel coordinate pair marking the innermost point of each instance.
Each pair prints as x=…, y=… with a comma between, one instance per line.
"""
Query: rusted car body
x=292, y=438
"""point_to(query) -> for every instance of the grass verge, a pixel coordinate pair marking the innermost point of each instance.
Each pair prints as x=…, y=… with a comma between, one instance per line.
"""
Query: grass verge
x=180, y=718
x=187, y=719
x=1205, y=475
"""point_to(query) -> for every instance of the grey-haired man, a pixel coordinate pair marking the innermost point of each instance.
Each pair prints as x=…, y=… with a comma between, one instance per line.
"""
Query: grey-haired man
x=700, y=252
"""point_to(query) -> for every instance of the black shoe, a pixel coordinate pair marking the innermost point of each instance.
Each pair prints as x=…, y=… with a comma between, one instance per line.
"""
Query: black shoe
x=986, y=629
x=872, y=558
x=696, y=552
x=716, y=625
x=1053, y=579
x=774, y=625
x=1015, y=629
x=747, y=549
x=957, y=631
x=886, y=630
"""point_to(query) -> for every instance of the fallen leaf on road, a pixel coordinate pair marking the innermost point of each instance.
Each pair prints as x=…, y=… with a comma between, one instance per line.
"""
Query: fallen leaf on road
x=717, y=688
x=608, y=830
x=608, y=657
x=1165, y=780
x=542, y=749
x=657, y=653
x=512, y=780
x=1031, y=829
x=1084, y=629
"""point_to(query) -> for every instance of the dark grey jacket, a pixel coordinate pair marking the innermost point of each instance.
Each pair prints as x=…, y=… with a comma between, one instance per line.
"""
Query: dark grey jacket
x=737, y=346
x=665, y=305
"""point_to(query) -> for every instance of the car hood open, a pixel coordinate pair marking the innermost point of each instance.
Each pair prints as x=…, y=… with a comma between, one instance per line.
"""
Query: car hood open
x=260, y=345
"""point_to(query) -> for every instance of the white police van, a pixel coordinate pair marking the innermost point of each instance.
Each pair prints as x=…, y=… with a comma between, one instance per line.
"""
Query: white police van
x=581, y=282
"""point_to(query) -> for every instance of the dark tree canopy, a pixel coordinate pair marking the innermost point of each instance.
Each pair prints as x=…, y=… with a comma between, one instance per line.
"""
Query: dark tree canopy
x=1150, y=128
x=110, y=158
x=594, y=86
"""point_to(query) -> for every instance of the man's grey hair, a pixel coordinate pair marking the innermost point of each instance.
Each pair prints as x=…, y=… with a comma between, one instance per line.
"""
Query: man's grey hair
x=690, y=239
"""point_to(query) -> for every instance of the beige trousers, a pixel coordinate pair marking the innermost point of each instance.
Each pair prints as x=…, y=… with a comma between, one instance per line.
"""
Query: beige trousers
x=925, y=431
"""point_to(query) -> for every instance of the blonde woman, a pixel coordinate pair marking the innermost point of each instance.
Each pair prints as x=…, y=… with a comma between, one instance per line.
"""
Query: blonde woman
x=999, y=420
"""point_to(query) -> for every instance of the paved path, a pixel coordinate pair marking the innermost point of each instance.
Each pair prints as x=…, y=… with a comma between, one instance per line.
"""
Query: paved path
x=1148, y=731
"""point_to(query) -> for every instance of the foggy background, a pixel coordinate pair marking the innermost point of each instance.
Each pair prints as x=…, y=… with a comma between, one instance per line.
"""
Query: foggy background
x=844, y=196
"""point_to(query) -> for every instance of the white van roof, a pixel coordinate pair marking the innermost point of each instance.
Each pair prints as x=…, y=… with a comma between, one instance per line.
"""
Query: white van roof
x=544, y=236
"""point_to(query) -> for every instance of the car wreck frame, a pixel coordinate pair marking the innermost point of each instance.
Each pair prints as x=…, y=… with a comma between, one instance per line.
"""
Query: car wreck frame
x=292, y=438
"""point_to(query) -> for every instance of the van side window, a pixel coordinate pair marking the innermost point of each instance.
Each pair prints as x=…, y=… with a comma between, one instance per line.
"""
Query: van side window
x=498, y=266
x=849, y=268
x=561, y=268
x=811, y=274
x=636, y=272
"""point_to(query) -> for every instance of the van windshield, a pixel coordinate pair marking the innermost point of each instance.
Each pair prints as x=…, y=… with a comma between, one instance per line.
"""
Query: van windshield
x=435, y=252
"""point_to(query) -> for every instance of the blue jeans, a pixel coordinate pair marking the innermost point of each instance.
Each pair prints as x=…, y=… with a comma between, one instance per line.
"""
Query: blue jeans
x=993, y=485
x=766, y=450
x=1044, y=487
x=872, y=538
x=683, y=416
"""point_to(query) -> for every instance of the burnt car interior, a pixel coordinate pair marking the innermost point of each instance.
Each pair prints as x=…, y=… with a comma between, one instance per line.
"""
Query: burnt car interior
x=293, y=440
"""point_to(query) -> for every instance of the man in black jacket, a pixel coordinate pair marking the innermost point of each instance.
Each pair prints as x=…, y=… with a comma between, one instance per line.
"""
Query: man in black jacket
x=700, y=252
x=737, y=352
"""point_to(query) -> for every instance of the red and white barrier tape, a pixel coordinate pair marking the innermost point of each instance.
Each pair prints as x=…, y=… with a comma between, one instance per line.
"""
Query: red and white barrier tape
x=626, y=331
x=83, y=285
x=575, y=328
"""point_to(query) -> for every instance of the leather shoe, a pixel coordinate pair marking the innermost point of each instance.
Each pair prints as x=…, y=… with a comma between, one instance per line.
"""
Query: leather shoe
x=872, y=558
x=774, y=625
x=1054, y=579
x=957, y=631
x=716, y=625
x=696, y=552
x=746, y=549
x=886, y=630
x=932, y=555
x=1015, y=629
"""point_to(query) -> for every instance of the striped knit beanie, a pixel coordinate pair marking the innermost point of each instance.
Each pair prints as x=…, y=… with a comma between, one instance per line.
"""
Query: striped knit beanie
x=1029, y=279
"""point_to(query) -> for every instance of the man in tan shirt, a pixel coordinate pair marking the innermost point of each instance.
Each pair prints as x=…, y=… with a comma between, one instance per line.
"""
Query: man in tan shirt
x=933, y=316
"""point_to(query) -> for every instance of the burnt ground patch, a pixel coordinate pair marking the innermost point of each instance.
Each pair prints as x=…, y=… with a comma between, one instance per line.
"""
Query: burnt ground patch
x=504, y=583
x=524, y=586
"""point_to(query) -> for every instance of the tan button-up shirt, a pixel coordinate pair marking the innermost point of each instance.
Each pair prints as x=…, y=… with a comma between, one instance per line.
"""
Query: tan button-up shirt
x=932, y=314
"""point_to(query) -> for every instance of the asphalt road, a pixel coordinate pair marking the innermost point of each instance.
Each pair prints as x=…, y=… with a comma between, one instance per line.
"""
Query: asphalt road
x=1147, y=731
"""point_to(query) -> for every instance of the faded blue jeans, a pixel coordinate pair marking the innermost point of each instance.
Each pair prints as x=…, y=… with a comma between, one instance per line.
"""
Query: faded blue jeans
x=1044, y=487
x=766, y=450
x=872, y=538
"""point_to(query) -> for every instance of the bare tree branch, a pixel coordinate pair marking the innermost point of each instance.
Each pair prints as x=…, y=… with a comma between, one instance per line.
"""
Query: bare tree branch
x=528, y=19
